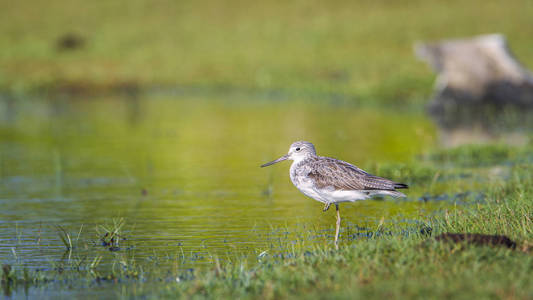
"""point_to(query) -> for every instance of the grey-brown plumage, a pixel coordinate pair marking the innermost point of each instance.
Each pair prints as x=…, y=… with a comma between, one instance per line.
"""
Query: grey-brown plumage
x=332, y=181
x=340, y=175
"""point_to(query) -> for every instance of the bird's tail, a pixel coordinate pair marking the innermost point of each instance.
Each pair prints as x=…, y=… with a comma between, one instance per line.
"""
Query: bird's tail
x=401, y=186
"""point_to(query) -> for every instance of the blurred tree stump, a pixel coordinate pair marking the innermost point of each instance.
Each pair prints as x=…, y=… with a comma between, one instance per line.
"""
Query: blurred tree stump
x=476, y=72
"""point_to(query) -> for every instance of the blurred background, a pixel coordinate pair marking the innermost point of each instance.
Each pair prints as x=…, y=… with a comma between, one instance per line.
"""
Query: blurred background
x=161, y=112
x=361, y=50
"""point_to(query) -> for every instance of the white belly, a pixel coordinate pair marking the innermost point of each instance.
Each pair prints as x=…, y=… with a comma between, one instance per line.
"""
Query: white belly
x=329, y=195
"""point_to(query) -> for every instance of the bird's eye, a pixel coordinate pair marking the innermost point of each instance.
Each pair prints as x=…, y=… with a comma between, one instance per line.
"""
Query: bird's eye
x=298, y=149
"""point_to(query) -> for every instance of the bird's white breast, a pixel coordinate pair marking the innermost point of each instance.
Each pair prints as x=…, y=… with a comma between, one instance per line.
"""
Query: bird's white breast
x=298, y=174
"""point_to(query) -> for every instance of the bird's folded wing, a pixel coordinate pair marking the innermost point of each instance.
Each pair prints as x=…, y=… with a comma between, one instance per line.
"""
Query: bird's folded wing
x=328, y=172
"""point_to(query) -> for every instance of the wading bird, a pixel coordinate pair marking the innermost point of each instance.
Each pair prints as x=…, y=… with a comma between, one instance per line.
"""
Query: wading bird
x=333, y=181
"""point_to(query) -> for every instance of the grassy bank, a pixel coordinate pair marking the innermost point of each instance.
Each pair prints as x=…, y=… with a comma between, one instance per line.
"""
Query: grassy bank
x=389, y=262
x=393, y=266
x=360, y=49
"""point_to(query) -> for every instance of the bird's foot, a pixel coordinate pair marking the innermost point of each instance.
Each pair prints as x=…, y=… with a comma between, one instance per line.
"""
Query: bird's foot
x=326, y=207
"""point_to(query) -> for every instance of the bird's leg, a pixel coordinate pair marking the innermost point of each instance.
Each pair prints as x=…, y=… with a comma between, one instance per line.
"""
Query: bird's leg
x=338, y=227
x=326, y=207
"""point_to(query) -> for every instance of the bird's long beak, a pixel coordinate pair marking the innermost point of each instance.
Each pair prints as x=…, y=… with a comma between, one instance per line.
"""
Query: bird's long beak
x=284, y=157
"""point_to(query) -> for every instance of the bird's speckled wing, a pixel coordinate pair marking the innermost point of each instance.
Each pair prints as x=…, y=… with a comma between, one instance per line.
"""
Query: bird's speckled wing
x=330, y=172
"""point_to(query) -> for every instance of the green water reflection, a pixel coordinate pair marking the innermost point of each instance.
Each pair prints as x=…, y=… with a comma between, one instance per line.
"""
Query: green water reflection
x=185, y=172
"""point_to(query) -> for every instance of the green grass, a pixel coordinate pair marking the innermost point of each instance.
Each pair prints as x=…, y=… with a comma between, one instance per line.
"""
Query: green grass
x=360, y=49
x=477, y=155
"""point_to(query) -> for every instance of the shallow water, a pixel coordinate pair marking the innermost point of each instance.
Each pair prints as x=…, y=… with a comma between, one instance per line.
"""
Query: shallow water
x=184, y=172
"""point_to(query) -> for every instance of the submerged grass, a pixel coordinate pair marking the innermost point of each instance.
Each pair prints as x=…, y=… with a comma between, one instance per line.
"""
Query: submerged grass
x=65, y=237
x=111, y=235
x=375, y=266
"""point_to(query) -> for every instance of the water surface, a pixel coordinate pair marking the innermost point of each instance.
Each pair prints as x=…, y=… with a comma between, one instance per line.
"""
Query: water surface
x=184, y=172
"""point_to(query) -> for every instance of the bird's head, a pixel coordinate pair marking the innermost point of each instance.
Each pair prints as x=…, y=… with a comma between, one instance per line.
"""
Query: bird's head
x=298, y=151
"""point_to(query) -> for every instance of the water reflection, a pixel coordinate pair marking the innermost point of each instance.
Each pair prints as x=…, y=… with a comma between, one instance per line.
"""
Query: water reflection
x=183, y=172
x=483, y=124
